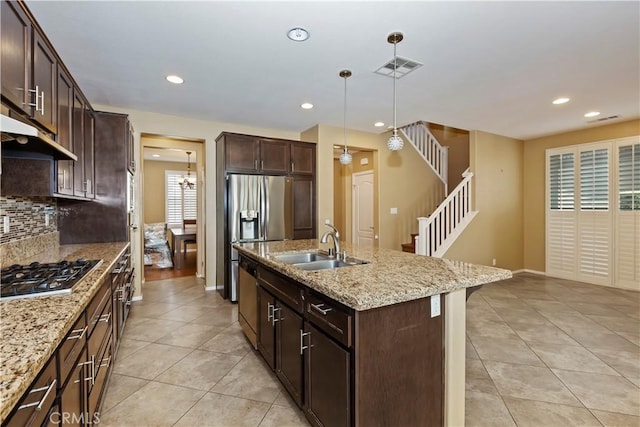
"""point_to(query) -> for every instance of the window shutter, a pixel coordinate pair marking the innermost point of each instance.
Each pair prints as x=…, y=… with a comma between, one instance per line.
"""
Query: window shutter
x=561, y=181
x=594, y=179
x=181, y=203
x=629, y=177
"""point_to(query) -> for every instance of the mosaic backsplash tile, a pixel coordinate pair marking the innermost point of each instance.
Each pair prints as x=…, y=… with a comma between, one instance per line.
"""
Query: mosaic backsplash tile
x=27, y=217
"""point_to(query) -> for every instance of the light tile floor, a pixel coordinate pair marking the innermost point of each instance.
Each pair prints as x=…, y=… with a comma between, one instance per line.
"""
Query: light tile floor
x=540, y=352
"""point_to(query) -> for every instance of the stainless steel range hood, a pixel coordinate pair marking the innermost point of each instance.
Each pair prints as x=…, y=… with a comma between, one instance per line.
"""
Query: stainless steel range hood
x=20, y=136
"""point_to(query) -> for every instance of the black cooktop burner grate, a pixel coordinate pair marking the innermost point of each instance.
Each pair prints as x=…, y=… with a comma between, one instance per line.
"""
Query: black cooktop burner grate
x=43, y=279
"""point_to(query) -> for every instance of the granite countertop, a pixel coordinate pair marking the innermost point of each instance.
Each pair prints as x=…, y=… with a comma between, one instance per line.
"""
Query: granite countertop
x=391, y=277
x=32, y=328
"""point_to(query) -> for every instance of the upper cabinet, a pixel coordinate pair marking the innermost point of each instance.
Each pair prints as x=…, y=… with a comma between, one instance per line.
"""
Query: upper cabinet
x=15, y=55
x=37, y=88
x=303, y=158
x=274, y=156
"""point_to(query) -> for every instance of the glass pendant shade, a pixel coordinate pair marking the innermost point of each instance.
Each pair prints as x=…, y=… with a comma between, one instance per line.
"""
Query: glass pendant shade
x=345, y=157
x=395, y=143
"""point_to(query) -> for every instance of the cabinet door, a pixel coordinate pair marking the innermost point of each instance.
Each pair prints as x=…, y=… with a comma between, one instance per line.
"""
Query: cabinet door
x=72, y=396
x=247, y=303
x=15, y=59
x=131, y=161
x=241, y=153
x=289, y=350
x=304, y=209
x=266, y=331
x=64, y=109
x=89, y=160
x=44, y=83
x=274, y=156
x=328, y=389
x=78, y=144
x=303, y=158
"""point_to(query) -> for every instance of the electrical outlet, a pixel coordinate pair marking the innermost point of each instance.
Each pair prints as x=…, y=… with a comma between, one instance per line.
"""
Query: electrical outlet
x=46, y=219
x=326, y=221
x=394, y=211
x=435, y=305
x=6, y=225
x=493, y=262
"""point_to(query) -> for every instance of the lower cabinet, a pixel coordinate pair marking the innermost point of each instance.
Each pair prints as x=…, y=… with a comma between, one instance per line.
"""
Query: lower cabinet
x=383, y=366
x=70, y=388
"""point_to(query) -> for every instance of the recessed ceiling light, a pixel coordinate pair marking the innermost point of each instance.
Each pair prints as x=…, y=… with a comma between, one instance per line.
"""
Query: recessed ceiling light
x=298, y=34
x=592, y=114
x=155, y=155
x=175, y=79
x=306, y=106
x=336, y=146
x=560, y=101
x=378, y=124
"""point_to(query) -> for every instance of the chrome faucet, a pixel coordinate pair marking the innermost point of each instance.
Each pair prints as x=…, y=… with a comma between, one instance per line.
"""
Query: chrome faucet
x=336, y=240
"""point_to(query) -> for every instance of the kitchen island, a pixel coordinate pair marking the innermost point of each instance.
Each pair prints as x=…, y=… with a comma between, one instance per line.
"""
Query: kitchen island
x=33, y=329
x=379, y=343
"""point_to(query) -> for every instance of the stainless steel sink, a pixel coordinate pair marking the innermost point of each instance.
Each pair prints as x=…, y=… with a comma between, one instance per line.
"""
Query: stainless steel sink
x=300, y=257
x=315, y=260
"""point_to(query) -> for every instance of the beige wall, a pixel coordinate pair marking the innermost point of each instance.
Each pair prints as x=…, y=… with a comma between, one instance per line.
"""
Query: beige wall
x=404, y=181
x=497, y=230
x=346, y=179
x=457, y=141
x=154, y=190
x=534, y=181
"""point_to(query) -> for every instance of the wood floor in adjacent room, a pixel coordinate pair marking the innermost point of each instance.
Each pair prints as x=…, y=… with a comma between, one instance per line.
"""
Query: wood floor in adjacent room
x=541, y=352
x=189, y=264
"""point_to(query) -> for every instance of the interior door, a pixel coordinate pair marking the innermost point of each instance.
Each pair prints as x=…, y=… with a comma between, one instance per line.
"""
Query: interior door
x=363, y=229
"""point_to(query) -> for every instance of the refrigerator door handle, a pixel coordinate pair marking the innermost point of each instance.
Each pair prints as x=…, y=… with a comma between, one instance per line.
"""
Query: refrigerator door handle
x=262, y=233
x=267, y=203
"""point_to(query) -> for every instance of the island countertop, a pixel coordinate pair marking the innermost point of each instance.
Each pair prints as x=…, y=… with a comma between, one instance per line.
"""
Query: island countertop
x=32, y=328
x=390, y=277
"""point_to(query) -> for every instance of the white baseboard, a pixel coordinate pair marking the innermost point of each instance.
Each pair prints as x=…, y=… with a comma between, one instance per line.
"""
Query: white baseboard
x=199, y=276
x=526, y=270
x=137, y=298
x=209, y=288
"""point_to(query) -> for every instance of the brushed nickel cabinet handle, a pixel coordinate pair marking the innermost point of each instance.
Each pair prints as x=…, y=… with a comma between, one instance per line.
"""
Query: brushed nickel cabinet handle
x=319, y=309
x=302, y=346
x=75, y=331
x=39, y=403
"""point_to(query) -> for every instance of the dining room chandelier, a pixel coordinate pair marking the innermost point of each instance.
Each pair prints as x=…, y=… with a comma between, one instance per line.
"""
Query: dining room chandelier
x=345, y=156
x=395, y=142
x=188, y=181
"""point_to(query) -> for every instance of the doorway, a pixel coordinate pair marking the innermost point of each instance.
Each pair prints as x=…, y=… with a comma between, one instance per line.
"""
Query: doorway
x=364, y=169
x=172, y=207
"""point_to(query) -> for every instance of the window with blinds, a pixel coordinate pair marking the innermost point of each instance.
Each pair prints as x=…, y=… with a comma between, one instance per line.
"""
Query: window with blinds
x=594, y=179
x=561, y=182
x=629, y=177
x=181, y=203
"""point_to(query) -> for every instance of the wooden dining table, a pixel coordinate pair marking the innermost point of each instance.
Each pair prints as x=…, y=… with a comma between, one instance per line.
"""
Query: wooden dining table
x=178, y=236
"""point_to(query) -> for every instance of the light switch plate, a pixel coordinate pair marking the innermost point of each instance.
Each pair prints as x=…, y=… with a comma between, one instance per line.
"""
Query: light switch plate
x=394, y=211
x=435, y=305
x=5, y=225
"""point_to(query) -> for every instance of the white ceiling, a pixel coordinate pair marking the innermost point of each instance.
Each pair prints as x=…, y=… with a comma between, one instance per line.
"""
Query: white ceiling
x=492, y=66
x=168, y=155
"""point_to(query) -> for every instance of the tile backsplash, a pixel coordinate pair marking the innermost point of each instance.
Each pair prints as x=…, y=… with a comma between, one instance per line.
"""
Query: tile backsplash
x=27, y=217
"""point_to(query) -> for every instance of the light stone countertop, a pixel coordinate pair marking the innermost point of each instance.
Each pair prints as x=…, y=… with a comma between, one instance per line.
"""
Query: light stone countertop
x=32, y=328
x=391, y=276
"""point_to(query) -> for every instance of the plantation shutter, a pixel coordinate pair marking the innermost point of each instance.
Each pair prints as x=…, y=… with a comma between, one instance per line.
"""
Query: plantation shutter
x=180, y=203
x=561, y=215
x=628, y=215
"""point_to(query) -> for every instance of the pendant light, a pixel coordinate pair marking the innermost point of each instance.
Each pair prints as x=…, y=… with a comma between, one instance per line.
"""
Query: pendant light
x=345, y=157
x=395, y=143
x=188, y=181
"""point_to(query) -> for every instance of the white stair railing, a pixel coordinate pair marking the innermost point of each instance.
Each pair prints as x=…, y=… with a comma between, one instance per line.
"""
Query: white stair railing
x=437, y=233
x=429, y=148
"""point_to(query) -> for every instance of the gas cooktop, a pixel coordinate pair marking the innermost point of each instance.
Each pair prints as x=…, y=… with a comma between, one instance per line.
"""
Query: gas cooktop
x=36, y=279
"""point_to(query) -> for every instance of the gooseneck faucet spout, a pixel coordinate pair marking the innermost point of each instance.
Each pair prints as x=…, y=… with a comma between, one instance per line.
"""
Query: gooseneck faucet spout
x=335, y=235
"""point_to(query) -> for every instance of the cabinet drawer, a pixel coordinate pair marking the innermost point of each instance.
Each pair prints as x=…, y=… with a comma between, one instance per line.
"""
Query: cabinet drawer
x=102, y=365
x=330, y=317
x=102, y=328
x=38, y=399
x=285, y=290
x=71, y=347
x=96, y=306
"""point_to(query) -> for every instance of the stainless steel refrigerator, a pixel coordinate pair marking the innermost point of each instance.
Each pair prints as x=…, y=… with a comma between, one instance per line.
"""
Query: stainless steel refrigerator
x=259, y=208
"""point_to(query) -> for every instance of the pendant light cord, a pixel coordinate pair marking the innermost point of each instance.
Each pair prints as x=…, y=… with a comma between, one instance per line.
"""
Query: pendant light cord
x=344, y=123
x=395, y=66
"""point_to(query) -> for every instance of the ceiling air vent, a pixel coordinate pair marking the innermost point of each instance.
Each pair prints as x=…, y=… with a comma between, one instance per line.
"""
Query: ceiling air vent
x=404, y=67
x=603, y=119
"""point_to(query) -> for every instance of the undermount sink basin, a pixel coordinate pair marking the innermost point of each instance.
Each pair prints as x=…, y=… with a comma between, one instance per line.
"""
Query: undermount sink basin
x=315, y=260
x=301, y=257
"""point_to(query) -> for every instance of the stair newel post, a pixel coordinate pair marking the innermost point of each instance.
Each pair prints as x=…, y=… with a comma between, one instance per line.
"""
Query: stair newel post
x=421, y=238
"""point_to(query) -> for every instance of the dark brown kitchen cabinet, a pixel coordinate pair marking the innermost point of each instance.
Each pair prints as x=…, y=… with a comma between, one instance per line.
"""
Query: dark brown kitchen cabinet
x=64, y=168
x=248, y=299
x=131, y=160
x=122, y=292
x=303, y=158
x=33, y=408
x=15, y=54
x=73, y=400
x=304, y=207
x=289, y=348
x=89, y=152
x=274, y=157
x=78, y=144
x=266, y=327
x=241, y=153
x=43, y=93
x=327, y=378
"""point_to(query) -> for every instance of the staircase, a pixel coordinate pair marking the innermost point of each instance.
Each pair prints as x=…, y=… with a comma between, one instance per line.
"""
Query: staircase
x=438, y=231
